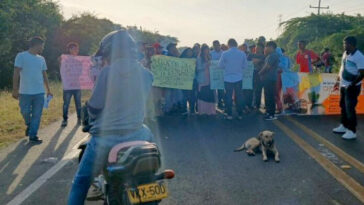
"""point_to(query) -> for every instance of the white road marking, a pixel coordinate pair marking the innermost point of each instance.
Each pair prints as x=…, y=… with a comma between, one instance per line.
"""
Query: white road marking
x=42, y=179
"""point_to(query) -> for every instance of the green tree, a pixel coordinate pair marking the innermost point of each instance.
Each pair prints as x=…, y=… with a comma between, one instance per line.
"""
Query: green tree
x=21, y=20
x=85, y=29
x=321, y=31
x=314, y=28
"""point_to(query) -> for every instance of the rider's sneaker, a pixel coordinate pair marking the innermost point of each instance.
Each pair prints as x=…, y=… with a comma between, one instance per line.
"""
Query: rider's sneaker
x=349, y=135
x=340, y=129
x=94, y=194
x=229, y=117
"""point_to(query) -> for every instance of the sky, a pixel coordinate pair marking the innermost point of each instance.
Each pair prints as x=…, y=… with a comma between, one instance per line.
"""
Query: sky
x=203, y=21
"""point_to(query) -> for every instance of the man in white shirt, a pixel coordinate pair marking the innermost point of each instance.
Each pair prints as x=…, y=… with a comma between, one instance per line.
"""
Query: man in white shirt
x=233, y=61
x=31, y=68
x=349, y=79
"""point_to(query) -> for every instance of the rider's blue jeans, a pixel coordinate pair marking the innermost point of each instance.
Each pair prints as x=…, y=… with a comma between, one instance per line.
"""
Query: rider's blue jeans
x=94, y=160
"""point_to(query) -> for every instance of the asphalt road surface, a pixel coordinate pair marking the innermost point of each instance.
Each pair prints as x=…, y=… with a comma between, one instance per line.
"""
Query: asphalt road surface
x=200, y=150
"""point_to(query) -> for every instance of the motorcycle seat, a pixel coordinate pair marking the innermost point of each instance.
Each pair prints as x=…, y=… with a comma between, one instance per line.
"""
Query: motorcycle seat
x=113, y=154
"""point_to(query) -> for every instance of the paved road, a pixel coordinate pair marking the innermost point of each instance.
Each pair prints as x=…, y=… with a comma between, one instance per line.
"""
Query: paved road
x=200, y=150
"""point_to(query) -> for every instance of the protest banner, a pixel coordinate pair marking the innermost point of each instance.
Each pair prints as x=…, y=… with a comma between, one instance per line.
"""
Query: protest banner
x=171, y=72
x=313, y=94
x=75, y=72
x=248, y=73
x=216, y=76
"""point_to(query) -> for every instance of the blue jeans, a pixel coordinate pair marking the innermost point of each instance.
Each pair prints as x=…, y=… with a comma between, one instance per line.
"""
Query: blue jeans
x=67, y=95
x=31, y=107
x=95, y=158
x=328, y=69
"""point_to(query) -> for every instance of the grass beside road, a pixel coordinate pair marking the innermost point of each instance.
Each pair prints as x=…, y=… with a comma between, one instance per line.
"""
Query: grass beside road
x=12, y=127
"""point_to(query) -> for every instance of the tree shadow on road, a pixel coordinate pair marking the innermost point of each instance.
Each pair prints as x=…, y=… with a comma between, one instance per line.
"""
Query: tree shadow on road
x=9, y=165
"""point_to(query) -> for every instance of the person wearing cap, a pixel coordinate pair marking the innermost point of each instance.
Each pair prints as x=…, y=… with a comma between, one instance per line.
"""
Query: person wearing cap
x=158, y=49
x=73, y=50
x=117, y=107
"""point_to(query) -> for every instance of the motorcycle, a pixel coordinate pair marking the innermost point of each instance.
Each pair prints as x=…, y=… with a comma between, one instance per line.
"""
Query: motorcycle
x=131, y=174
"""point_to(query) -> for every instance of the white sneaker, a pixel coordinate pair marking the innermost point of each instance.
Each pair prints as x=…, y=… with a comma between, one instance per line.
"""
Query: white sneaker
x=229, y=117
x=349, y=135
x=340, y=129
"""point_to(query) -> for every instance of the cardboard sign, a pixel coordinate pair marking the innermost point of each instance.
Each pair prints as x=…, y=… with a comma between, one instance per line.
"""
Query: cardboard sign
x=216, y=76
x=171, y=72
x=248, y=73
x=75, y=72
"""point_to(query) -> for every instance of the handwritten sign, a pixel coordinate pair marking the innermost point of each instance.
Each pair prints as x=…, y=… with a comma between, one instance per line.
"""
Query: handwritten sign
x=248, y=76
x=216, y=76
x=75, y=72
x=171, y=72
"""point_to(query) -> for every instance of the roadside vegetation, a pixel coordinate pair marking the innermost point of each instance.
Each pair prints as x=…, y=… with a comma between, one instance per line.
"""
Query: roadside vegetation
x=12, y=125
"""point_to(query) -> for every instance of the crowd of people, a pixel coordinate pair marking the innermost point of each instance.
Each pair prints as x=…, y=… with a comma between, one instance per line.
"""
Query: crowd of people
x=268, y=59
x=269, y=62
x=119, y=113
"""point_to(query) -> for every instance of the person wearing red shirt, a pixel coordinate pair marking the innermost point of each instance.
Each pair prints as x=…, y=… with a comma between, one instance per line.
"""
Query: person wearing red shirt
x=306, y=58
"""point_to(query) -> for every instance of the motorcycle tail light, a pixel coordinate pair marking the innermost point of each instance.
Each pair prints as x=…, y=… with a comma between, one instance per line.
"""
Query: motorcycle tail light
x=169, y=174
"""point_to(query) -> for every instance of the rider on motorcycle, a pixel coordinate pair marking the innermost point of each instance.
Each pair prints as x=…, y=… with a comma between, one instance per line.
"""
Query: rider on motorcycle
x=117, y=106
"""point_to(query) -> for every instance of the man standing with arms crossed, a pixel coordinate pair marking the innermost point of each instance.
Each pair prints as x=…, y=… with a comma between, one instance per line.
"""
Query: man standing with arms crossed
x=31, y=68
x=268, y=76
x=349, y=79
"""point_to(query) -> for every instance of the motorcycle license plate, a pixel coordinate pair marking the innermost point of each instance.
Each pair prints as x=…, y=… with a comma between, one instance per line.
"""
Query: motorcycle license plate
x=148, y=193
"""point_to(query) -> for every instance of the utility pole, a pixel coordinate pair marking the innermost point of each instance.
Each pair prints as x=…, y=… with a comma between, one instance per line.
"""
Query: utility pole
x=319, y=7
